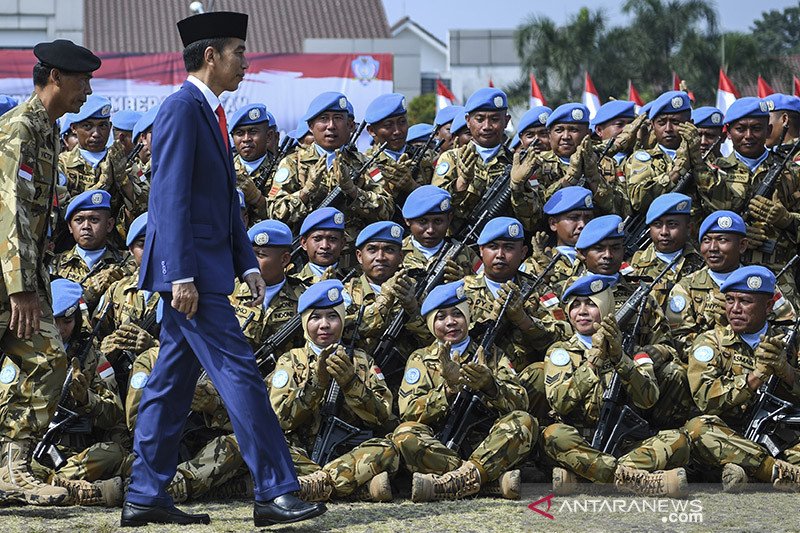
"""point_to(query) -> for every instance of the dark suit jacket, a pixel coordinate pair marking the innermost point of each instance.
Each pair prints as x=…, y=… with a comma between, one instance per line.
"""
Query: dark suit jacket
x=194, y=228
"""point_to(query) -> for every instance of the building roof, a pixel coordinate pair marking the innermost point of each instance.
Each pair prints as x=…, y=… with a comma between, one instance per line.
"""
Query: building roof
x=275, y=26
x=407, y=23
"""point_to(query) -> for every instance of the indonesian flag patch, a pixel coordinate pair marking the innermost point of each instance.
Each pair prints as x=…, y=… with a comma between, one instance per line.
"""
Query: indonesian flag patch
x=82, y=304
x=477, y=268
x=625, y=269
x=25, y=172
x=378, y=372
x=778, y=300
x=105, y=370
x=533, y=181
x=642, y=359
x=549, y=300
x=375, y=174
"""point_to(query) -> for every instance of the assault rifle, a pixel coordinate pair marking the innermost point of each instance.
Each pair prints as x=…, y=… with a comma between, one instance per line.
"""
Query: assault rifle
x=134, y=153
x=269, y=170
x=126, y=359
x=335, y=432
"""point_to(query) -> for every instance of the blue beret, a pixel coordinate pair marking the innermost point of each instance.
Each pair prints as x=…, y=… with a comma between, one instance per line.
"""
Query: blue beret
x=486, y=99
x=600, y=228
x=427, y=199
x=671, y=203
x=88, y=200
x=569, y=199
x=613, y=109
x=66, y=122
x=514, y=142
x=707, y=117
x=270, y=233
x=327, y=101
x=444, y=296
x=645, y=109
x=66, y=297
x=325, y=218
x=752, y=278
x=386, y=231
x=447, y=114
x=535, y=117
x=670, y=102
x=589, y=285
x=138, y=229
x=94, y=107
x=145, y=122
x=783, y=102
x=419, y=132
x=459, y=121
x=300, y=131
x=251, y=114
x=321, y=295
x=240, y=194
x=125, y=120
x=385, y=106
x=6, y=104
x=571, y=113
x=501, y=229
x=723, y=222
x=748, y=106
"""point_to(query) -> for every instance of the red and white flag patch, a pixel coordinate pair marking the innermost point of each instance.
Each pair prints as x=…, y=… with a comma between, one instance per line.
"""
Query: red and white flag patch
x=105, y=370
x=477, y=268
x=25, y=172
x=642, y=359
x=378, y=372
x=549, y=300
x=376, y=174
x=626, y=269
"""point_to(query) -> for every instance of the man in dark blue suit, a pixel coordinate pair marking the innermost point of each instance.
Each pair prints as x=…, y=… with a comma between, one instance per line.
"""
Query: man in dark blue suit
x=196, y=245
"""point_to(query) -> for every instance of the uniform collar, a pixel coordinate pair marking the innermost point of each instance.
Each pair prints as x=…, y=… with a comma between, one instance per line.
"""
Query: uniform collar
x=569, y=252
x=487, y=153
x=271, y=291
x=585, y=340
x=427, y=252
x=668, y=258
x=327, y=154
x=252, y=166
x=719, y=277
x=667, y=151
x=90, y=257
x=318, y=270
x=752, y=163
x=753, y=339
x=395, y=155
x=93, y=158
x=461, y=347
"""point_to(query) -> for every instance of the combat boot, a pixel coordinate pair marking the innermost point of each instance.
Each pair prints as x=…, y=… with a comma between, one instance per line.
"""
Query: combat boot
x=786, y=476
x=668, y=483
x=238, y=488
x=15, y=472
x=734, y=478
x=506, y=486
x=459, y=483
x=107, y=492
x=378, y=489
x=316, y=487
x=178, y=488
x=565, y=482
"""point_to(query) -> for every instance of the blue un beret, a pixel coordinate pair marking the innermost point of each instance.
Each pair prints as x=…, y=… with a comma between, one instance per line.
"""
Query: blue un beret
x=325, y=218
x=589, y=285
x=535, y=117
x=645, y=109
x=251, y=114
x=707, y=117
x=322, y=295
x=88, y=200
x=444, y=296
x=460, y=121
x=447, y=114
x=327, y=101
x=125, y=120
x=670, y=102
x=270, y=233
x=783, y=102
x=66, y=122
x=385, y=231
x=145, y=122
x=570, y=113
x=600, y=228
x=419, y=132
x=385, y=106
x=138, y=229
x=672, y=203
x=6, y=104
x=300, y=131
x=613, y=109
x=486, y=99
x=752, y=278
x=66, y=297
x=514, y=142
x=569, y=199
x=748, y=106
x=723, y=222
x=501, y=229
x=427, y=199
x=94, y=107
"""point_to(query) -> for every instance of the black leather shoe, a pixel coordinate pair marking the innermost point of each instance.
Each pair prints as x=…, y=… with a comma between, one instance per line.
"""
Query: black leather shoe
x=134, y=515
x=285, y=509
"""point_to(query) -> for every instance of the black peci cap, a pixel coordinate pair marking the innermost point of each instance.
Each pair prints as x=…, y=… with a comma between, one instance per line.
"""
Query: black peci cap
x=215, y=25
x=67, y=56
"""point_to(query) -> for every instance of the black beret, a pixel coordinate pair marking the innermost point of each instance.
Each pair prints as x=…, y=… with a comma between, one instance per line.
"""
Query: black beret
x=214, y=25
x=67, y=56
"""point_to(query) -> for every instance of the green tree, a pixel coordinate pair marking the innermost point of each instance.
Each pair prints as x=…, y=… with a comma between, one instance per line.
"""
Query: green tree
x=422, y=108
x=778, y=33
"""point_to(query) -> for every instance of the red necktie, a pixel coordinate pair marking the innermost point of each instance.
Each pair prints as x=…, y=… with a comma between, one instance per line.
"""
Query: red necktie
x=223, y=126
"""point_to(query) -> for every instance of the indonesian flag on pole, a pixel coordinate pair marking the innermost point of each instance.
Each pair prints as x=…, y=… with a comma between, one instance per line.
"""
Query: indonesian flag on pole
x=591, y=98
x=676, y=81
x=537, y=98
x=491, y=83
x=764, y=89
x=633, y=96
x=444, y=97
x=796, y=86
x=726, y=93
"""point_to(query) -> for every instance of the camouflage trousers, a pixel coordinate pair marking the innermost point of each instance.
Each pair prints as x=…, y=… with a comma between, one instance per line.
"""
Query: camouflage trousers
x=353, y=469
x=675, y=404
x=102, y=460
x=566, y=445
x=509, y=441
x=715, y=444
x=31, y=375
x=216, y=462
x=532, y=378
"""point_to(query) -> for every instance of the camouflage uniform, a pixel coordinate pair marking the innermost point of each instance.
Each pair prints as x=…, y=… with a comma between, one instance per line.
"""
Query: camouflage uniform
x=648, y=265
x=71, y=266
x=308, y=277
x=562, y=272
x=552, y=170
x=253, y=196
x=575, y=392
x=718, y=370
x=494, y=447
x=423, y=177
x=415, y=260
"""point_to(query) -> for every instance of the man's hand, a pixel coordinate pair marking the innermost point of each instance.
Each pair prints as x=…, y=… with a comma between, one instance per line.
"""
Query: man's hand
x=522, y=168
x=771, y=358
x=451, y=371
x=25, y=314
x=608, y=338
x=258, y=288
x=404, y=292
x=590, y=161
x=772, y=212
x=691, y=137
x=716, y=308
x=399, y=173
x=627, y=137
x=466, y=158
x=323, y=376
x=343, y=178
x=100, y=281
x=185, y=299
x=515, y=311
x=478, y=377
x=206, y=398
x=132, y=337
x=452, y=272
x=313, y=179
x=340, y=367
x=756, y=236
x=79, y=386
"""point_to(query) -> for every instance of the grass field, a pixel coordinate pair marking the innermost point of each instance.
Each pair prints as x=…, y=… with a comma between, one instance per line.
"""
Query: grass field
x=757, y=510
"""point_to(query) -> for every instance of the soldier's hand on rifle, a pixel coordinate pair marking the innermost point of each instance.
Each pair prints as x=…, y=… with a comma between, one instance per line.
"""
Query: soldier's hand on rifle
x=404, y=289
x=610, y=337
x=452, y=272
x=79, y=386
x=626, y=139
x=99, y=282
x=342, y=176
x=691, y=137
x=323, y=376
x=313, y=179
x=399, y=174
x=340, y=367
x=522, y=168
x=539, y=248
x=756, y=236
x=590, y=159
x=770, y=211
x=132, y=337
x=466, y=158
x=681, y=163
x=515, y=311
x=771, y=358
x=205, y=398
x=477, y=376
x=451, y=371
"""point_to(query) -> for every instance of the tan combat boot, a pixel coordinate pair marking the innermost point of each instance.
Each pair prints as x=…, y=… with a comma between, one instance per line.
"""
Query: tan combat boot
x=316, y=487
x=107, y=492
x=506, y=486
x=238, y=488
x=378, y=489
x=786, y=476
x=15, y=473
x=565, y=482
x=669, y=483
x=178, y=488
x=460, y=483
x=734, y=478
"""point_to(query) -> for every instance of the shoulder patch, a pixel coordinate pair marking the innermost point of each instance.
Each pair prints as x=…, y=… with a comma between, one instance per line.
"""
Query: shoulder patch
x=280, y=379
x=412, y=375
x=282, y=175
x=559, y=357
x=704, y=354
x=642, y=156
x=442, y=168
x=348, y=300
x=677, y=303
x=8, y=374
x=139, y=380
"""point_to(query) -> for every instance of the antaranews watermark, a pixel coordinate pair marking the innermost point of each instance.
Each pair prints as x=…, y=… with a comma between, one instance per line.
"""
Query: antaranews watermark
x=670, y=510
